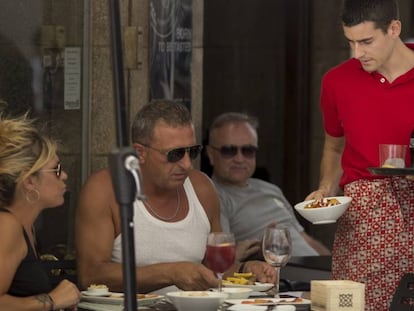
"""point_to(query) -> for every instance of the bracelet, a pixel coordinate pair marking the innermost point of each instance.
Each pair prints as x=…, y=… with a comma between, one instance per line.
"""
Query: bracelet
x=46, y=299
x=241, y=267
x=52, y=303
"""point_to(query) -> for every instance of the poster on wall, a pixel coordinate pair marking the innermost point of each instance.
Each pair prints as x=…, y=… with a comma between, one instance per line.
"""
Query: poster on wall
x=72, y=88
x=170, y=50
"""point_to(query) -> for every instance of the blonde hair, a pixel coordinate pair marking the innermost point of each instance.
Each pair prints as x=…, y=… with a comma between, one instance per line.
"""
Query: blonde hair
x=24, y=150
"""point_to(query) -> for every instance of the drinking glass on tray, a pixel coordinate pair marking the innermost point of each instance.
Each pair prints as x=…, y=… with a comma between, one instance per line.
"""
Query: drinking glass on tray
x=277, y=248
x=220, y=253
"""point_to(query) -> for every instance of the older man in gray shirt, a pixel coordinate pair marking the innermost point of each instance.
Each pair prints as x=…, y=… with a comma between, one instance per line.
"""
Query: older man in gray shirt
x=248, y=204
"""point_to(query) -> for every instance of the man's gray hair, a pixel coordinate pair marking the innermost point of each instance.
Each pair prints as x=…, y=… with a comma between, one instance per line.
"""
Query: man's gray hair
x=233, y=117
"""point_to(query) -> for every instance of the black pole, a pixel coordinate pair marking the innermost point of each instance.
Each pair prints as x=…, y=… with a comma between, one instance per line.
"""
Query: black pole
x=123, y=181
x=118, y=81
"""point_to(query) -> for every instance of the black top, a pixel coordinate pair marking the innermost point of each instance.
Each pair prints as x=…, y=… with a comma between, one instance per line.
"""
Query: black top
x=30, y=278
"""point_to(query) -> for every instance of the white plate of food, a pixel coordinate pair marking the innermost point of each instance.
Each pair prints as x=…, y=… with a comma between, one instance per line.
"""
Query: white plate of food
x=257, y=286
x=118, y=298
x=324, y=211
x=97, y=290
x=269, y=301
x=92, y=294
x=196, y=300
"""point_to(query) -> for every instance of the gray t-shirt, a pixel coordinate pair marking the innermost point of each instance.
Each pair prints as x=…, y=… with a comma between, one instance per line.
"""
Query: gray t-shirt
x=246, y=211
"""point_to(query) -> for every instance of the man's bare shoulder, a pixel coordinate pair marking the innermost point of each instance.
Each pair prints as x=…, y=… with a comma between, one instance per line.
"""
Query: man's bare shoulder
x=206, y=193
x=101, y=176
x=97, y=192
x=98, y=181
x=198, y=177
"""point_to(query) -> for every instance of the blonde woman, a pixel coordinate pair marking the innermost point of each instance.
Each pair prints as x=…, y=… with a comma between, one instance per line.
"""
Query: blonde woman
x=31, y=180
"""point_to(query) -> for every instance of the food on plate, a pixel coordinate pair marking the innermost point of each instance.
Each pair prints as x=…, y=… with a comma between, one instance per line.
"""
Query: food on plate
x=325, y=202
x=194, y=294
x=257, y=301
x=241, y=279
x=295, y=300
x=98, y=287
x=267, y=301
x=143, y=296
x=97, y=290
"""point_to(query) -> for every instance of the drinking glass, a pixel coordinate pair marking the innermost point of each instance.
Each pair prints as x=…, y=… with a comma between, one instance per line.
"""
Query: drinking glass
x=277, y=248
x=220, y=253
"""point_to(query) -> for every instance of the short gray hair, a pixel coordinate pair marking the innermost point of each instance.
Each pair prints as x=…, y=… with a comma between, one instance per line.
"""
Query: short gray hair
x=233, y=117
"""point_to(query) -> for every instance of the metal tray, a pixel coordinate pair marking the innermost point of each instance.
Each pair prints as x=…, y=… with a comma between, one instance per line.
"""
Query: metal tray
x=388, y=171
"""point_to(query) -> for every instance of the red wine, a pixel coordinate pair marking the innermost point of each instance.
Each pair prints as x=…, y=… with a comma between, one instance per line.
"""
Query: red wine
x=219, y=258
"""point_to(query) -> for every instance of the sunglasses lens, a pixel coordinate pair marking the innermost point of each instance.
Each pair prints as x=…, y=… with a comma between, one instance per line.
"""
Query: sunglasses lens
x=194, y=152
x=59, y=170
x=248, y=151
x=175, y=155
x=228, y=151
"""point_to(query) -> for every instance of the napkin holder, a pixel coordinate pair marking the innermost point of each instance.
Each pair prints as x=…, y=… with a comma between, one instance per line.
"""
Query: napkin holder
x=337, y=295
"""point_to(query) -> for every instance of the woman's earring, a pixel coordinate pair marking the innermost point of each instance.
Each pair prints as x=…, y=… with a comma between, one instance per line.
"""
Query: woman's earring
x=32, y=196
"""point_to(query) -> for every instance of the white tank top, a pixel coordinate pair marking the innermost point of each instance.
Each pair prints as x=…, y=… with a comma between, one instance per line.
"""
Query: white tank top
x=159, y=241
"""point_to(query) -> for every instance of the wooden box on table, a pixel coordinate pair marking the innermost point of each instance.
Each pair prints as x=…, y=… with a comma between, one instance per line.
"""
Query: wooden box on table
x=337, y=295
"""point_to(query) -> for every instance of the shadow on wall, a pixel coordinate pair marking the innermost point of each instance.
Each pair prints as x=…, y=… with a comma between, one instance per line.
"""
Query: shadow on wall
x=16, y=78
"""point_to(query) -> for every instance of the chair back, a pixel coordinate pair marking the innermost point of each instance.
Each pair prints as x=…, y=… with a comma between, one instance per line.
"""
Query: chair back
x=403, y=299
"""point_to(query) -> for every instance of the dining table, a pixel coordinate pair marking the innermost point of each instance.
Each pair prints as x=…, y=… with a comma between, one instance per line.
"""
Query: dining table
x=164, y=305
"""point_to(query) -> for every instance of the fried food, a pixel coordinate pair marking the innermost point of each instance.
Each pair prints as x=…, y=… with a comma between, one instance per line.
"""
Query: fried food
x=325, y=202
x=245, y=275
x=241, y=279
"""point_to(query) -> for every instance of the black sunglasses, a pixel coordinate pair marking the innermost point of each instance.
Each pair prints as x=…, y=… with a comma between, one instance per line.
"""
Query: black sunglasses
x=176, y=154
x=57, y=170
x=228, y=152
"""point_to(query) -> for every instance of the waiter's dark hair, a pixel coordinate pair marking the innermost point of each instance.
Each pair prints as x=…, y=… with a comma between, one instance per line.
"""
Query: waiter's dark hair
x=381, y=12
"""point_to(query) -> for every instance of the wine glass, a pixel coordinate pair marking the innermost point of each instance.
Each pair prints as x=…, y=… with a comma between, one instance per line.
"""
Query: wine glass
x=277, y=248
x=220, y=253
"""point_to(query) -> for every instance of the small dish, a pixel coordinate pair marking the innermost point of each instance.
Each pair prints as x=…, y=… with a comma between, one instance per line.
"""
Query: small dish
x=118, y=298
x=97, y=290
x=323, y=215
x=96, y=294
x=247, y=307
x=236, y=292
x=203, y=300
x=257, y=286
x=296, y=301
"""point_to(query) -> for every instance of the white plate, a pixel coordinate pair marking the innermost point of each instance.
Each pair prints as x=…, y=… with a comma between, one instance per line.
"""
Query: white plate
x=326, y=214
x=258, y=287
x=247, y=307
x=271, y=301
x=88, y=293
x=118, y=299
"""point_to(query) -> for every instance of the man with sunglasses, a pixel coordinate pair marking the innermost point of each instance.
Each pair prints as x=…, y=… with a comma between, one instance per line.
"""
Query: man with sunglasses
x=171, y=224
x=248, y=204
